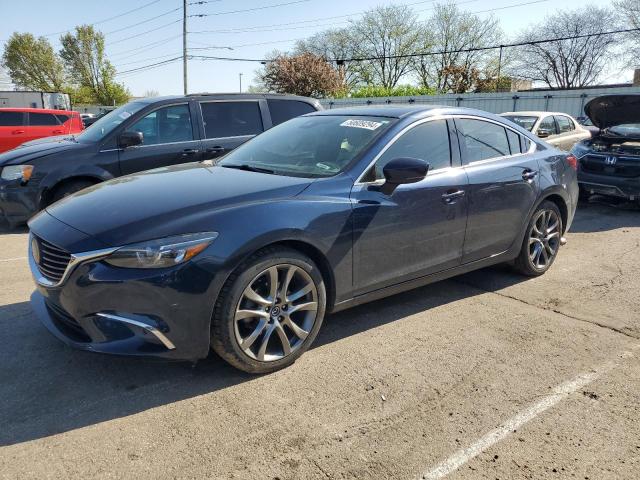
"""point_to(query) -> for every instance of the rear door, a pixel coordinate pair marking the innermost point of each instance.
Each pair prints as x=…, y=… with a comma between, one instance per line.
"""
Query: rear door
x=43, y=125
x=228, y=124
x=168, y=139
x=13, y=129
x=503, y=185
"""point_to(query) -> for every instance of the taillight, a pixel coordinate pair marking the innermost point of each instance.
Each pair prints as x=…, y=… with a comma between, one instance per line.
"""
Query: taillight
x=572, y=161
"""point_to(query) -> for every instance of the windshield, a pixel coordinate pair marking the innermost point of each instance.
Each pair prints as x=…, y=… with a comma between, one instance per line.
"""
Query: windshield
x=316, y=146
x=525, y=121
x=106, y=124
x=625, y=129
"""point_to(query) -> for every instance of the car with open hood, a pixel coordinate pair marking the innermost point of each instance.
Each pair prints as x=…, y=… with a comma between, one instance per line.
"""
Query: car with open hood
x=141, y=135
x=609, y=163
x=329, y=210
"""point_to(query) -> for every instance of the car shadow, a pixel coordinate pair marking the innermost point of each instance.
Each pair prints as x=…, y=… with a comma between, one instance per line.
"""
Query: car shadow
x=5, y=228
x=601, y=214
x=48, y=388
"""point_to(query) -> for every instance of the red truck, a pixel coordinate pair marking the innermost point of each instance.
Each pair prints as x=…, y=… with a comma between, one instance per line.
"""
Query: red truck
x=19, y=125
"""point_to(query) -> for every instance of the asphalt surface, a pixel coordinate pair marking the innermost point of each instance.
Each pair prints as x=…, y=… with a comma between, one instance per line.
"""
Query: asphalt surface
x=489, y=375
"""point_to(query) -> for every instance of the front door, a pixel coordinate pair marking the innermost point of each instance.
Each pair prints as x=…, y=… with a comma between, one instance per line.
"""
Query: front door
x=503, y=185
x=168, y=139
x=13, y=129
x=419, y=229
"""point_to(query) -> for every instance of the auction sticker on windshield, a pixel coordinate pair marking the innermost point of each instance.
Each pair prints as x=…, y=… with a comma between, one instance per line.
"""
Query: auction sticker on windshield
x=368, y=124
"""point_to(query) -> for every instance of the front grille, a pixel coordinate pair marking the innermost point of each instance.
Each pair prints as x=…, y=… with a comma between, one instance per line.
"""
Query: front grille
x=52, y=261
x=627, y=167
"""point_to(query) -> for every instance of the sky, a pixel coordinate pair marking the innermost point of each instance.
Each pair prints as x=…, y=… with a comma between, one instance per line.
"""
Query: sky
x=145, y=32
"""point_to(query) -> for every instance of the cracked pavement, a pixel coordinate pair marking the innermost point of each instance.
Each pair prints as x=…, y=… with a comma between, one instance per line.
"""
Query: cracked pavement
x=390, y=389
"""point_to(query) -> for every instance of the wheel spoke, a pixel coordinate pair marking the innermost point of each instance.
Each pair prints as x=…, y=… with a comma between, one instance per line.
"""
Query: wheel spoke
x=265, y=341
x=543, y=254
x=273, y=282
x=286, y=346
x=242, y=314
x=287, y=280
x=552, y=227
x=300, y=293
x=255, y=297
x=313, y=306
x=247, y=342
x=299, y=332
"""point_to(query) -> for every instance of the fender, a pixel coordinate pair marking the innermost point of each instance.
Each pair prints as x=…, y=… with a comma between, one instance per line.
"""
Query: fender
x=57, y=176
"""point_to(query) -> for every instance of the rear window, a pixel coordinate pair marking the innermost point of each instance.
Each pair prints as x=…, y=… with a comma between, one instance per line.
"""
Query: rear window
x=231, y=119
x=525, y=121
x=42, y=119
x=283, y=110
x=11, y=119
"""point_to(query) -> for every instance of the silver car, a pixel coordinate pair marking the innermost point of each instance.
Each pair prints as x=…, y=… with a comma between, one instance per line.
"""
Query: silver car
x=559, y=129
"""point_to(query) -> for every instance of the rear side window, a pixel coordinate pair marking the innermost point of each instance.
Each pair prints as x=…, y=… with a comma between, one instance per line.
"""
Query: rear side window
x=482, y=140
x=283, y=110
x=231, y=119
x=42, y=119
x=62, y=118
x=514, y=142
x=11, y=119
x=564, y=124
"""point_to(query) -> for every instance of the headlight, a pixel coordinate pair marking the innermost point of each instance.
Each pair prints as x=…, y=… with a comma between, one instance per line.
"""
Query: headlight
x=162, y=253
x=17, y=172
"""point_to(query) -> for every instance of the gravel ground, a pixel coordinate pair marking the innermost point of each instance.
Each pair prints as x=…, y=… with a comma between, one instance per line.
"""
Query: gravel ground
x=488, y=375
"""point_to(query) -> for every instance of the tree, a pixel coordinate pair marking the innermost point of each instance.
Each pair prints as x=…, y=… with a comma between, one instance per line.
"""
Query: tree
x=151, y=93
x=571, y=63
x=446, y=33
x=307, y=75
x=629, y=12
x=88, y=69
x=385, y=36
x=32, y=63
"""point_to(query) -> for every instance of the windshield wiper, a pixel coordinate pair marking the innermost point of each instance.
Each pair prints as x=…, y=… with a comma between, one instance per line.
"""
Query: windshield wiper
x=247, y=167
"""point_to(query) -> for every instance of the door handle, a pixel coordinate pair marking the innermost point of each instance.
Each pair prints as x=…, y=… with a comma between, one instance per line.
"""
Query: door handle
x=216, y=149
x=452, y=195
x=17, y=132
x=529, y=175
x=189, y=151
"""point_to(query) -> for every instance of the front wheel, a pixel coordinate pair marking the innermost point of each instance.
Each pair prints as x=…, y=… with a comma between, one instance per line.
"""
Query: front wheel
x=541, y=242
x=269, y=311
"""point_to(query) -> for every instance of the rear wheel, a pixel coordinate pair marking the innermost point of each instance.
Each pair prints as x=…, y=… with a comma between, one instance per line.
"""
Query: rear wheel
x=542, y=241
x=269, y=311
x=69, y=188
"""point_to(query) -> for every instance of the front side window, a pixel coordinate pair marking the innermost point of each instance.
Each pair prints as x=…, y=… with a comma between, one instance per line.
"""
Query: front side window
x=11, y=119
x=166, y=125
x=310, y=147
x=231, y=119
x=428, y=141
x=547, y=126
x=42, y=119
x=109, y=122
x=482, y=140
x=564, y=124
x=283, y=110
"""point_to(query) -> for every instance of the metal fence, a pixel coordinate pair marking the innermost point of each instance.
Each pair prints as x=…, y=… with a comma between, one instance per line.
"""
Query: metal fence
x=567, y=101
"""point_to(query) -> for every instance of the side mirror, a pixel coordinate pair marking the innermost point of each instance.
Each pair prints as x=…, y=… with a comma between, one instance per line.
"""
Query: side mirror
x=400, y=171
x=130, y=139
x=543, y=133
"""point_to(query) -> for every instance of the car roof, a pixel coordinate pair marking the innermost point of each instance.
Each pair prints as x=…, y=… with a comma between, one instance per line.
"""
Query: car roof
x=227, y=96
x=402, y=111
x=35, y=110
x=535, y=113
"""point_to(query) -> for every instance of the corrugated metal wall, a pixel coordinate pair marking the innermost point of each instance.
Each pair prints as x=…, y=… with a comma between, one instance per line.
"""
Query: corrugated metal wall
x=567, y=101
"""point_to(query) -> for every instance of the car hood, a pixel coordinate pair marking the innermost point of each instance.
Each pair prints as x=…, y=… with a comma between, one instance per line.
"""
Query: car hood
x=168, y=201
x=611, y=110
x=26, y=153
x=52, y=139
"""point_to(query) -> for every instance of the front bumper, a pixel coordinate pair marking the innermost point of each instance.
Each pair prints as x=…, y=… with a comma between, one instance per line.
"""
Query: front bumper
x=137, y=312
x=18, y=202
x=623, y=187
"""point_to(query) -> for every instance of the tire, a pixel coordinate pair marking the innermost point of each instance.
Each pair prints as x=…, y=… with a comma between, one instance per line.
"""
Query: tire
x=250, y=330
x=69, y=188
x=541, y=242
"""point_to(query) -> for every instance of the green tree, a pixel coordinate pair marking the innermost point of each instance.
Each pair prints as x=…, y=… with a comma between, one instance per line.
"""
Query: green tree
x=32, y=63
x=89, y=69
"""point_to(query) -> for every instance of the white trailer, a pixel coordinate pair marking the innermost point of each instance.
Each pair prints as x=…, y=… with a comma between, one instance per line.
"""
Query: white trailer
x=30, y=99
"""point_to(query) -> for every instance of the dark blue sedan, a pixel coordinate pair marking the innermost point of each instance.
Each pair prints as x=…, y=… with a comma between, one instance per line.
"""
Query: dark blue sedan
x=322, y=213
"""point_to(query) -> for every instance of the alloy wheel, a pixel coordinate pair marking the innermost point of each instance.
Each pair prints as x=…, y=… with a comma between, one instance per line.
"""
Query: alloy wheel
x=544, y=239
x=276, y=313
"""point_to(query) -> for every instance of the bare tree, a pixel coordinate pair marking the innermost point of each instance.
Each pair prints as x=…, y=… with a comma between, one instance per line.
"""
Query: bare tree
x=574, y=62
x=384, y=35
x=450, y=31
x=151, y=93
x=629, y=11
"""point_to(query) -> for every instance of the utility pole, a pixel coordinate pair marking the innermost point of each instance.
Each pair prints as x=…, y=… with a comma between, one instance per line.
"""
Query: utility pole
x=240, y=76
x=184, y=44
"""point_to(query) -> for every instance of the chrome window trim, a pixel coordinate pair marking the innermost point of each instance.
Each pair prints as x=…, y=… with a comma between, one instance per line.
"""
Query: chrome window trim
x=146, y=327
x=76, y=260
x=532, y=148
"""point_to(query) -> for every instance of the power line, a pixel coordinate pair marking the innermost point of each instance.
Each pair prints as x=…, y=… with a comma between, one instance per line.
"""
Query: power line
x=248, y=9
x=144, y=48
x=148, y=67
x=143, y=21
x=145, y=32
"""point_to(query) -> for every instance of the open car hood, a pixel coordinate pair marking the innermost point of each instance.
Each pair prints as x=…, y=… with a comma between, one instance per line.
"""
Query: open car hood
x=611, y=110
